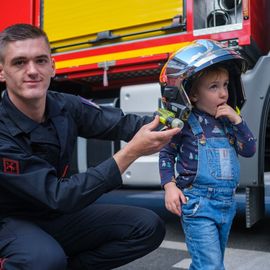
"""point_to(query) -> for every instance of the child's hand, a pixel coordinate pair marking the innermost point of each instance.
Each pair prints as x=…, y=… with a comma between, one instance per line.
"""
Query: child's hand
x=229, y=112
x=174, y=198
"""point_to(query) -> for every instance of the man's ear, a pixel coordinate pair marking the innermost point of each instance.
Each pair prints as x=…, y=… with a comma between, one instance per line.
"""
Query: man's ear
x=53, y=68
x=2, y=77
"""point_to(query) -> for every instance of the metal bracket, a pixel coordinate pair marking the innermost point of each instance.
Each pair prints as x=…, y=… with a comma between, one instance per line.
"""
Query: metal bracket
x=255, y=206
x=105, y=65
x=104, y=36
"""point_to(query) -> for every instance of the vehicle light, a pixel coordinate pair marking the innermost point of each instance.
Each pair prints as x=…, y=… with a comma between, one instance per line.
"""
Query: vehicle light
x=229, y=5
x=218, y=17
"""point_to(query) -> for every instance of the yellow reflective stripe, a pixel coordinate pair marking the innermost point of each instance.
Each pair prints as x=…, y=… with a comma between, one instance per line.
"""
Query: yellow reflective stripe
x=120, y=55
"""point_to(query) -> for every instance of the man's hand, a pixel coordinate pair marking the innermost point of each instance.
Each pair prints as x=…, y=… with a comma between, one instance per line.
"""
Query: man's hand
x=174, y=198
x=145, y=142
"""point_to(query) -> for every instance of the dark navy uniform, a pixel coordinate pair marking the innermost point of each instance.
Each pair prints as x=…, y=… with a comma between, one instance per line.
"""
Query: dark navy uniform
x=47, y=216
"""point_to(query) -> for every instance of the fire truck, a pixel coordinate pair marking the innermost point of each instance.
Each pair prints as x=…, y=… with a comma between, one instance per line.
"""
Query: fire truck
x=113, y=52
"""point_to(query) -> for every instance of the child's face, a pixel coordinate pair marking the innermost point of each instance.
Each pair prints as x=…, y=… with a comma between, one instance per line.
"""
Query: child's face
x=211, y=91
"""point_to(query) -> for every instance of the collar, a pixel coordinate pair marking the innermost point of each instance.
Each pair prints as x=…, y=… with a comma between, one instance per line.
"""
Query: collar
x=18, y=122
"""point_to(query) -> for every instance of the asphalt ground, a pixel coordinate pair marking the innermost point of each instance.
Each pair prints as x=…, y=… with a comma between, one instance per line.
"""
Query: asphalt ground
x=248, y=249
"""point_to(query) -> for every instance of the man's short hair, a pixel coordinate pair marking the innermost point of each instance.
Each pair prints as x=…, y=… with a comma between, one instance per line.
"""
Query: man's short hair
x=18, y=32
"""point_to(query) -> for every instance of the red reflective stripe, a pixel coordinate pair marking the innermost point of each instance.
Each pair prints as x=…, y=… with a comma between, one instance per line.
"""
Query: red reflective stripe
x=63, y=175
x=2, y=261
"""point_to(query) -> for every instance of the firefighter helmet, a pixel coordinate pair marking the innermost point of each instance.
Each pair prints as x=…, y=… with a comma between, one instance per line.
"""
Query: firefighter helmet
x=177, y=73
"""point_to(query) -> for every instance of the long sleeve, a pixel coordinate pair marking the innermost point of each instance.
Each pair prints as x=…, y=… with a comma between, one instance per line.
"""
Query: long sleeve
x=167, y=159
x=31, y=184
x=34, y=185
x=245, y=141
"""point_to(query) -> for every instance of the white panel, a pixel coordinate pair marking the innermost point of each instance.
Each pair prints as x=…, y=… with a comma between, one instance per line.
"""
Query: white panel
x=143, y=172
x=143, y=100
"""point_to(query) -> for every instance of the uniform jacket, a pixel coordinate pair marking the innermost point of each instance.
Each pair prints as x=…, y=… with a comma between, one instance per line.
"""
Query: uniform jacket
x=34, y=158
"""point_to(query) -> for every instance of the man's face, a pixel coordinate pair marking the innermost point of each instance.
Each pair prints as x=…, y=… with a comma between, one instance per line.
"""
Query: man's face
x=27, y=69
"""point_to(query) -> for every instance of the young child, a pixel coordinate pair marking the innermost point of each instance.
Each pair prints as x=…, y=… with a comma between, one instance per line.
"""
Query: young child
x=204, y=153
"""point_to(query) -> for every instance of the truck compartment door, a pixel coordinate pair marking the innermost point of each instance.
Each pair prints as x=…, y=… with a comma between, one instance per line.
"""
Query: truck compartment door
x=142, y=100
x=68, y=22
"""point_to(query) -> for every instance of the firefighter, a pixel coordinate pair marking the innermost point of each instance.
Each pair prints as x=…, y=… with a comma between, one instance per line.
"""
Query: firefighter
x=47, y=217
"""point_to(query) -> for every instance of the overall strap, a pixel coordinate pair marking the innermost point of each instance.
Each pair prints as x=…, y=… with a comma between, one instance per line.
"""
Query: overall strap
x=195, y=125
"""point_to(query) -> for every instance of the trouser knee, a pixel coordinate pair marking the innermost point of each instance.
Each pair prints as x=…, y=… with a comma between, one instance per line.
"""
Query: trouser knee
x=154, y=228
x=54, y=259
x=42, y=259
x=159, y=231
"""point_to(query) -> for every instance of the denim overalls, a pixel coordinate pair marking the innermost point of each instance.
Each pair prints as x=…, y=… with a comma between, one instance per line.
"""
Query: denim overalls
x=208, y=214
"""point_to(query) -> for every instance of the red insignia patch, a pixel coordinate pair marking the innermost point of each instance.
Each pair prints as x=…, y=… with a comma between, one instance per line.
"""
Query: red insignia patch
x=2, y=261
x=11, y=166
